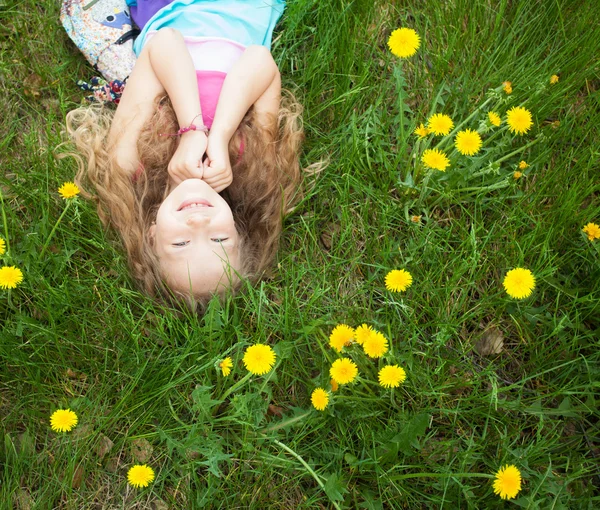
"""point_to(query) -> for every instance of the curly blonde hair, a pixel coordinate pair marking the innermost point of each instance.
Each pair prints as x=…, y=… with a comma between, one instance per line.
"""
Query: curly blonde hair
x=266, y=185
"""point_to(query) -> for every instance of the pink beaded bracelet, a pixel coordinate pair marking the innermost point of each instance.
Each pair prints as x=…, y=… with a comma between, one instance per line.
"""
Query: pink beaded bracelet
x=191, y=127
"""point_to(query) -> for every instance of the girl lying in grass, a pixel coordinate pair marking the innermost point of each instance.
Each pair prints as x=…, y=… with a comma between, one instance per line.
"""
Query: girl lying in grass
x=198, y=164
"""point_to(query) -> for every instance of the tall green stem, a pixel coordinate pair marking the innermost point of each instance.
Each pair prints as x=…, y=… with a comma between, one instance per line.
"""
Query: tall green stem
x=237, y=385
x=511, y=154
x=400, y=85
x=55, y=227
x=307, y=467
x=443, y=475
x=4, y=222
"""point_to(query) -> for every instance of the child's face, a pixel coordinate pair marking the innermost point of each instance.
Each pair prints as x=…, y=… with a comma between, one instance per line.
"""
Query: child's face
x=195, y=239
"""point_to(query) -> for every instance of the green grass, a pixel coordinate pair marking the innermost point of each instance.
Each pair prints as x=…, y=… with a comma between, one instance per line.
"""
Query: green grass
x=77, y=334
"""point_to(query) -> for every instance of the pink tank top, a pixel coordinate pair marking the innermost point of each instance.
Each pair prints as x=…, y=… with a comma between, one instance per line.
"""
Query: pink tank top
x=213, y=58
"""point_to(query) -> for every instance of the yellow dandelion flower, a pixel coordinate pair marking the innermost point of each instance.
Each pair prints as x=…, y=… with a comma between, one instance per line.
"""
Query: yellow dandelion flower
x=140, y=475
x=361, y=333
x=494, y=119
x=391, y=376
x=421, y=131
x=225, y=365
x=507, y=87
x=507, y=483
x=68, y=190
x=63, y=420
x=416, y=218
x=517, y=175
x=376, y=345
x=518, y=120
x=343, y=371
x=2, y=246
x=523, y=165
x=259, y=359
x=554, y=79
x=334, y=386
x=404, y=42
x=519, y=283
x=341, y=336
x=592, y=230
x=10, y=277
x=319, y=399
x=468, y=142
x=398, y=280
x=440, y=124
x=435, y=159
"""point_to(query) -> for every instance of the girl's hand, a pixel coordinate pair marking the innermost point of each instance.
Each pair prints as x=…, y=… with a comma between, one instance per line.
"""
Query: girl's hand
x=186, y=163
x=217, y=168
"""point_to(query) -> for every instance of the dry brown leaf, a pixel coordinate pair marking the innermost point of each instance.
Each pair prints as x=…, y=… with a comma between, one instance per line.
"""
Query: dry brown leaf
x=82, y=431
x=32, y=85
x=77, y=477
x=275, y=410
x=491, y=342
x=104, y=446
x=72, y=374
x=24, y=501
x=331, y=230
x=141, y=450
x=159, y=504
x=112, y=464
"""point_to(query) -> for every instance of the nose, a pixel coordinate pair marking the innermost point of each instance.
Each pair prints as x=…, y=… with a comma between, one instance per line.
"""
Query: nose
x=197, y=220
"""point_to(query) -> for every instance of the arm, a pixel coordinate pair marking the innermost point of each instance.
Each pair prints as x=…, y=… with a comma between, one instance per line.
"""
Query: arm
x=134, y=110
x=164, y=65
x=258, y=73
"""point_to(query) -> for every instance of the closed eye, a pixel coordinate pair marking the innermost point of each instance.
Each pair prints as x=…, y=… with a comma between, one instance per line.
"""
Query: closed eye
x=220, y=239
x=181, y=243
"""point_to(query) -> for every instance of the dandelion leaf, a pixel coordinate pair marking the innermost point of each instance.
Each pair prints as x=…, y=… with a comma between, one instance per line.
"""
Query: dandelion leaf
x=284, y=349
x=203, y=401
x=26, y=443
x=214, y=455
x=170, y=442
x=291, y=420
x=370, y=502
x=335, y=488
x=249, y=409
x=406, y=440
x=351, y=460
x=565, y=407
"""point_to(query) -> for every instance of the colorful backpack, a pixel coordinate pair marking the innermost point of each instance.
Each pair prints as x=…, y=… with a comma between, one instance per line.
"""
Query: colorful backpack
x=104, y=32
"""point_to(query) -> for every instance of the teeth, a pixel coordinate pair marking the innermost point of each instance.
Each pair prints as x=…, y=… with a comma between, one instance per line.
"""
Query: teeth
x=194, y=206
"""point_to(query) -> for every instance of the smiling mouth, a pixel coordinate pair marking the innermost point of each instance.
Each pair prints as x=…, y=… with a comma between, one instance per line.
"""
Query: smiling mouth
x=194, y=203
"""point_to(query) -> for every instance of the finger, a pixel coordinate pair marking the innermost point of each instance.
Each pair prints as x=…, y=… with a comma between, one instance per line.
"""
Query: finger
x=175, y=176
x=221, y=185
x=191, y=171
x=211, y=173
x=218, y=184
x=198, y=172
